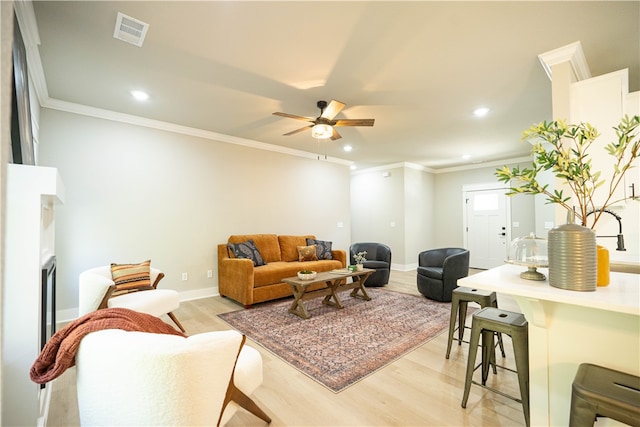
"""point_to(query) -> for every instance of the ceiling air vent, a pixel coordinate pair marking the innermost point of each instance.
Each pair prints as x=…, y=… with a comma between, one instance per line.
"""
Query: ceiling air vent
x=130, y=30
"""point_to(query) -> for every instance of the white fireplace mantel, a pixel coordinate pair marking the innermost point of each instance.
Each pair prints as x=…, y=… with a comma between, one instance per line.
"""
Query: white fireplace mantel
x=31, y=195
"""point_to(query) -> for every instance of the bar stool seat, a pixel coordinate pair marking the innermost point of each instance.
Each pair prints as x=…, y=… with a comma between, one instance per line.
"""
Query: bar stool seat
x=600, y=391
x=460, y=298
x=486, y=322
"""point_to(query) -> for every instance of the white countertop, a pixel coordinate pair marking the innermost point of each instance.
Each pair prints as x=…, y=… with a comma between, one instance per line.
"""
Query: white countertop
x=622, y=295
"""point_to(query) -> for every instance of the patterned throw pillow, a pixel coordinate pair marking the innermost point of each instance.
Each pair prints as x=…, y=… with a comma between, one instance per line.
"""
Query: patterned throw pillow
x=247, y=250
x=323, y=248
x=130, y=277
x=307, y=253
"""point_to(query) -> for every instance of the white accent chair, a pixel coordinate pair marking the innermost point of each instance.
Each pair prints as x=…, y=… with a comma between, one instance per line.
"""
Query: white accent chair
x=142, y=379
x=96, y=287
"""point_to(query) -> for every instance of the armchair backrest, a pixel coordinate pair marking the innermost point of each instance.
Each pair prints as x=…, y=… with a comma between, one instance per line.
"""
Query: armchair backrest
x=375, y=251
x=93, y=285
x=446, y=258
x=137, y=378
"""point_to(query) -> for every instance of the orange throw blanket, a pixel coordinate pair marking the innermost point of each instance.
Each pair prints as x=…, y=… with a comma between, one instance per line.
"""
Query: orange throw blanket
x=59, y=352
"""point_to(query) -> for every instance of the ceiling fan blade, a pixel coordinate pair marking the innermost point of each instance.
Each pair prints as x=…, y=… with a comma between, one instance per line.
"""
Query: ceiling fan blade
x=335, y=135
x=293, y=116
x=332, y=109
x=298, y=130
x=354, y=122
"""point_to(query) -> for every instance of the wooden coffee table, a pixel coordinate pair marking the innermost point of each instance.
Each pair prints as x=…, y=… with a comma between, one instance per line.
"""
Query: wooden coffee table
x=335, y=282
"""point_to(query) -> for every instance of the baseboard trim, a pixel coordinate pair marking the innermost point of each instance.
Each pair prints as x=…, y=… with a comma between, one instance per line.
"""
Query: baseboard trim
x=404, y=267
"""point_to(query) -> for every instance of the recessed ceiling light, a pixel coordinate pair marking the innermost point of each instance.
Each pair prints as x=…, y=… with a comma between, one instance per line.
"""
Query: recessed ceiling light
x=466, y=156
x=481, y=112
x=347, y=148
x=353, y=167
x=140, y=95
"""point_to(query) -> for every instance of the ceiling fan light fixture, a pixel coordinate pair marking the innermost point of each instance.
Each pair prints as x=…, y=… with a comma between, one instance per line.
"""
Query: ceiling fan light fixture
x=321, y=131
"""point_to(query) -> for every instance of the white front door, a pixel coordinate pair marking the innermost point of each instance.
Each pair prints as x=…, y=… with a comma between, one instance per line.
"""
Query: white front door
x=486, y=228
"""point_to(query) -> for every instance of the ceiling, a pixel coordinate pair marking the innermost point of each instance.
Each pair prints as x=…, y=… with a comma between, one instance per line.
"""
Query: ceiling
x=419, y=68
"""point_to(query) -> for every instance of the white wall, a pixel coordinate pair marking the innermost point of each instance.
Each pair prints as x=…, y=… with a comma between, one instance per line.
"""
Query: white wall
x=393, y=205
x=419, y=214
x=449, y=211
x=135, y=193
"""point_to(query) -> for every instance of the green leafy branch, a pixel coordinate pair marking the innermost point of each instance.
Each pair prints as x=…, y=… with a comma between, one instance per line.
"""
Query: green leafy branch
x=564, y=149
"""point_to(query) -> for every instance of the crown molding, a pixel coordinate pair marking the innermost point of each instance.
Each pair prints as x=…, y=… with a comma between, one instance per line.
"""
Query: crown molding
x=480, y=165
x=31, y=37
x=571, y=53
x=407, y=165
x=71, y=107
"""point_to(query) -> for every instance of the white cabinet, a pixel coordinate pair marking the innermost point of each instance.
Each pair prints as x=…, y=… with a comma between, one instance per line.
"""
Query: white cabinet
x=603, y=101
x=600, y=101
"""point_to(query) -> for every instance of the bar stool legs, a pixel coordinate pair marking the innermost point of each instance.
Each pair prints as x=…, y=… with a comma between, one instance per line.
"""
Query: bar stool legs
x=460, y=298
x=485, y=324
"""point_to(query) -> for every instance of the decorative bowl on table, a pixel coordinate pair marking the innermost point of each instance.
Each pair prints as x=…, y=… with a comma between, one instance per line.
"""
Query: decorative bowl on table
x=306, y=275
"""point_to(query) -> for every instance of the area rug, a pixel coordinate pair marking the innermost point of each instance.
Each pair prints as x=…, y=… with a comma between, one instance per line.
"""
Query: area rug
x=338, y=347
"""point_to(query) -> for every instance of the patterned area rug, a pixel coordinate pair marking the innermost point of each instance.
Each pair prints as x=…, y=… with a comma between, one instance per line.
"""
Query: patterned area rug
x=337, y=347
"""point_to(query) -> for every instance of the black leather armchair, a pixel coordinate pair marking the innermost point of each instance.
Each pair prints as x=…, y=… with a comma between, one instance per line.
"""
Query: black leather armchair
x=378, y=258
x=439, y=271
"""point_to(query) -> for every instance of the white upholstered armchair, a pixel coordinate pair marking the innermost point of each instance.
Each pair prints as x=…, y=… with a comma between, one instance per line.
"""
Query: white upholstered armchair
x=143, y=379
x=96, y=287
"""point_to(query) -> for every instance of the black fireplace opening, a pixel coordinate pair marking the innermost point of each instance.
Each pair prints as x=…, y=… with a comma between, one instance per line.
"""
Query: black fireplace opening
x=48, y=302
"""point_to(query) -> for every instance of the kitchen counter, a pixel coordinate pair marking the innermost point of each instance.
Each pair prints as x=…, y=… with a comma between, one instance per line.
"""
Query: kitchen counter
x=567, y=328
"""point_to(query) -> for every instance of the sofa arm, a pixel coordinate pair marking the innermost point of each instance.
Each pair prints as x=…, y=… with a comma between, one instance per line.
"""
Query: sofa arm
x=340, y=255
x=235, y=277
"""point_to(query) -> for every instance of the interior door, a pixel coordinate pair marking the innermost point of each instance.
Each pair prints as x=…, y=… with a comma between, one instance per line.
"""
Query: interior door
x=486, y=227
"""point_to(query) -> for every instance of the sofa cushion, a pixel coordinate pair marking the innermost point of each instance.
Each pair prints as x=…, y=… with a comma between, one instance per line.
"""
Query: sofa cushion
x=375, y=264
x=289, y=246
x=247, y=250
x=323, y=248
x=130, y=277
x=307, y=253
x=267, y=244
x=275, y=272
x=431, y=272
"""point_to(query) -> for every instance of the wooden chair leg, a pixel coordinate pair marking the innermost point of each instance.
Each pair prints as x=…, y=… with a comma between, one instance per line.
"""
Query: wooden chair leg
x=247, y=403
x=175, y=320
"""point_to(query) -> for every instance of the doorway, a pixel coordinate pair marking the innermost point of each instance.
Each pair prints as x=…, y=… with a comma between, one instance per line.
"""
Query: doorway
x=486, y=232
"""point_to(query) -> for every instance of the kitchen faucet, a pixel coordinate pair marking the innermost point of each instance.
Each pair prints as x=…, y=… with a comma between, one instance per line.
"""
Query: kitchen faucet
x=620, y=237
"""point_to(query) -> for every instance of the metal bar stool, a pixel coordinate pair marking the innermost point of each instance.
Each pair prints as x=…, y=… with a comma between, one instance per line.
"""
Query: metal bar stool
x=460, y=298
x=487, y=322
x=600, y=391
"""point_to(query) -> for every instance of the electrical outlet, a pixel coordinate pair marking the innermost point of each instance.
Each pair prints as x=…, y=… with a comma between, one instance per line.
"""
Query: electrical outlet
x=185, y=276
x=209, y=274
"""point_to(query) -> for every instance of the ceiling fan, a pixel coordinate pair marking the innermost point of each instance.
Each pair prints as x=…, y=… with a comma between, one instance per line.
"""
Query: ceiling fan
x=322, y=127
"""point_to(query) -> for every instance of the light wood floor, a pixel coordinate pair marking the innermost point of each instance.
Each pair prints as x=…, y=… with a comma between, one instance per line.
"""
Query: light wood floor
x=420, y=389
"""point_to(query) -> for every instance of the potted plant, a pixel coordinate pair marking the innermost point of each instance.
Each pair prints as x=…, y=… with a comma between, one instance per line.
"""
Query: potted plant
x=306, y=274
x=360, y=258
x=563, y=149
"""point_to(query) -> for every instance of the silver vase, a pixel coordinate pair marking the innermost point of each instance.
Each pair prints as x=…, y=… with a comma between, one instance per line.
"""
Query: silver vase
x=573, y=261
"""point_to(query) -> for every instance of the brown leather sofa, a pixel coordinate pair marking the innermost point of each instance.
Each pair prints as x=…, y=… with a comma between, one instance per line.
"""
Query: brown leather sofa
x=247, y=284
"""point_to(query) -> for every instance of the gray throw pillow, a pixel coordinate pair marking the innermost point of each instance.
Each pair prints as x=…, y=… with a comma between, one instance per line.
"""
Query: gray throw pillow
x=247, y=250
x=323, y=248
